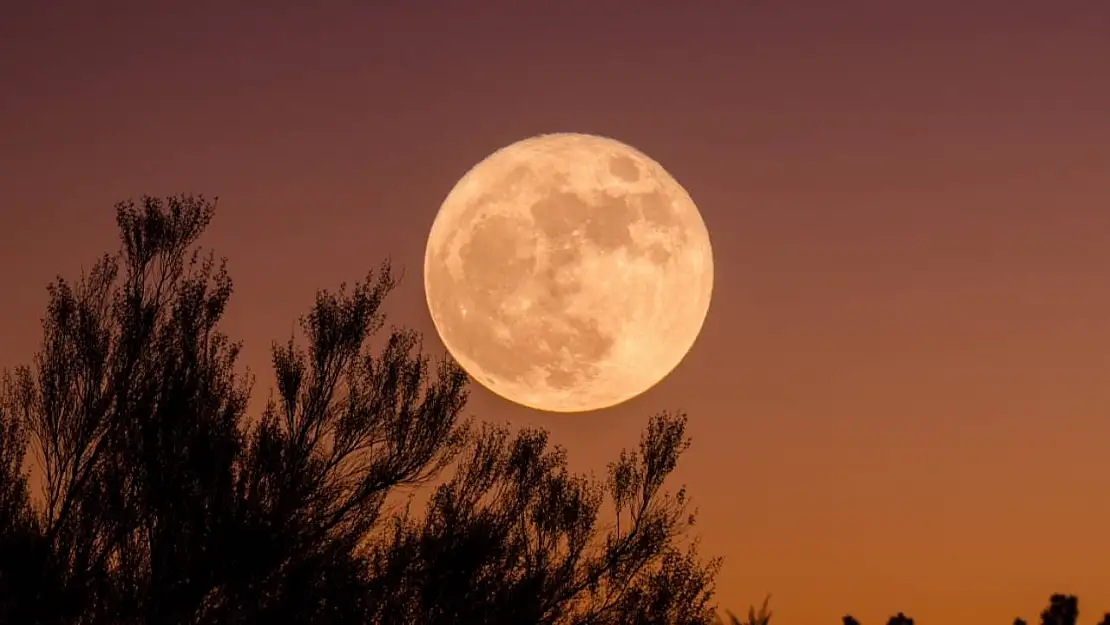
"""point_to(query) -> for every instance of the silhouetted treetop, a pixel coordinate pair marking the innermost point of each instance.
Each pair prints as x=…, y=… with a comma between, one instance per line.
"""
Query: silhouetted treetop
x=1062, y=610
x=522, y=527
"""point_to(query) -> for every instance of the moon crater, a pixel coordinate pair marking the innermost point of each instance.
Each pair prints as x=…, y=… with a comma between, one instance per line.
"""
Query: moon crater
x=568, y=272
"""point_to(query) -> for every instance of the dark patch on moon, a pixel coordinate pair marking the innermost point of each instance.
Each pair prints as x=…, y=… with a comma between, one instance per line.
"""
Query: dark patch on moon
x=558, y=290
x=657, y=210
x=610, y=225
x=495, y=246
x=502, y=190
x=606, y=225
x=559, y=214
x=624, y=168
x=586, y=346
x=560, y=379
x=658, y=254
x=473, y=334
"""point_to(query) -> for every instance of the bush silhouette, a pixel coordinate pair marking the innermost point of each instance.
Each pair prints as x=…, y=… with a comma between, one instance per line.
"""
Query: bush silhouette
x=164, y=503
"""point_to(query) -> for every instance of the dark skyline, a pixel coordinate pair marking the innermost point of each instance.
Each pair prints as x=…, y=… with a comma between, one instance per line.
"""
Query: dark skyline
x=902, y=380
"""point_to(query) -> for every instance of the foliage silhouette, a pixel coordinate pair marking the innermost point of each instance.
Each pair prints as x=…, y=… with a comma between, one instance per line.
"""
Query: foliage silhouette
x=897, y=619
x=1061, y=610
x=763, y=617
x=163, y=503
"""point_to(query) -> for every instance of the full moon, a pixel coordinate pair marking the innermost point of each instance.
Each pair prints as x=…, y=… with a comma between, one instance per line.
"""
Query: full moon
x=568, y=272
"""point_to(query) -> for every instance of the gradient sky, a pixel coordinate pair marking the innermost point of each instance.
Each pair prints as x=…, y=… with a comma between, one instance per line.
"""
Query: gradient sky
x=899, y=400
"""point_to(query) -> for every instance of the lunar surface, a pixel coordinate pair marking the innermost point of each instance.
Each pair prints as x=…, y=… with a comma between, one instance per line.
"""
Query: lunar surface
x=568, y=272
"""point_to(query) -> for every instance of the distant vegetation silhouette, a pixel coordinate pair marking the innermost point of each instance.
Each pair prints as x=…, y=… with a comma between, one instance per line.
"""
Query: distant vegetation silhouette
x=163, y=503
x=1061, y=610
x=763, y=617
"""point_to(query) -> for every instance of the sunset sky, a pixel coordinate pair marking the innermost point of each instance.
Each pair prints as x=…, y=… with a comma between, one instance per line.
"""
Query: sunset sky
x=899, y=400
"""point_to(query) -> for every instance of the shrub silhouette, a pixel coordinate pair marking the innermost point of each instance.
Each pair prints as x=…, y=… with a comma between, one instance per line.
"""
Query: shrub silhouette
x=163, y=503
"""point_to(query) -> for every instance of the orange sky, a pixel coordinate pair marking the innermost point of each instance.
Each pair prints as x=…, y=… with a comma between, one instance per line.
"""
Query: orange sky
x=899, y=400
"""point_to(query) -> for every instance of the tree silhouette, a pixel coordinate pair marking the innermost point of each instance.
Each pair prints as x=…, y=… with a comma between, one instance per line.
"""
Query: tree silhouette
x=900, y=619
x=163, y=503
x=508, y=540
x=1061, y=610
x=850, y=620
x=20, y=545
